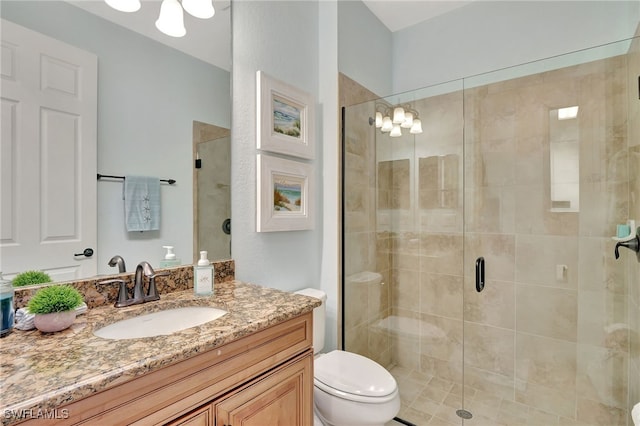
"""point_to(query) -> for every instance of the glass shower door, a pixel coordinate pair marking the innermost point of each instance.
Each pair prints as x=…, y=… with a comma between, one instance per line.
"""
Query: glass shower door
x=546, y=181
x=403, y=246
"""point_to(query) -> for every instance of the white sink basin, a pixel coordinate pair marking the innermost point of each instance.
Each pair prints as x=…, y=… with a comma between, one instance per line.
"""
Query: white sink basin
x=159, y=323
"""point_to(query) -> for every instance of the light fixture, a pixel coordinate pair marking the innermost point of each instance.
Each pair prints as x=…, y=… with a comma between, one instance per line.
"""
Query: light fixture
x=403, y=117
x=171, y=19
x=378, y=119
x=202, y=9
x=416, y=127
x=387, y=125
x=408, y=120
x=398, y=115
x=124, y=5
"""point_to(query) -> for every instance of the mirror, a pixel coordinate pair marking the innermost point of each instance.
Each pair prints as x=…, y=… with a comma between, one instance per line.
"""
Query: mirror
x=149, y=96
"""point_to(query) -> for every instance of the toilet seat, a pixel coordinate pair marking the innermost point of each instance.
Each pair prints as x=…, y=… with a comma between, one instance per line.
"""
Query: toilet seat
x=354, y=377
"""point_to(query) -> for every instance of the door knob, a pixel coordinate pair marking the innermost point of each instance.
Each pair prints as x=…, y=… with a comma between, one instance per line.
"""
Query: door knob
x=88, y=252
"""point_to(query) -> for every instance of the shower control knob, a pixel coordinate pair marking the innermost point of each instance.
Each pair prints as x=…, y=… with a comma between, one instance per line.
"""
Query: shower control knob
x=633, y=245
x=226, y=226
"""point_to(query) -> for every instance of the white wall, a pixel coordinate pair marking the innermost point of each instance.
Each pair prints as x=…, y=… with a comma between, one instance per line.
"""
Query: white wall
x=148, y=96
x=485, y=36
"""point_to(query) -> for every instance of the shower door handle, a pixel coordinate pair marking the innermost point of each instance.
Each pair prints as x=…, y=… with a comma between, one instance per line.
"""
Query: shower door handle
x=479, y=274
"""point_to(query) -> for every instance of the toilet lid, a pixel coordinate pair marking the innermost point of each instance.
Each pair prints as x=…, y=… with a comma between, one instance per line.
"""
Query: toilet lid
x=353, y=374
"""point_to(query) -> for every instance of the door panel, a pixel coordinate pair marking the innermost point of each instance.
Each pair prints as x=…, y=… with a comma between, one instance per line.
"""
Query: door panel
x=48, y=155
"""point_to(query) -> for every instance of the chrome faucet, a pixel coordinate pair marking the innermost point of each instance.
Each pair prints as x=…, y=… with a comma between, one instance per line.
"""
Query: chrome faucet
x=118, y=260
x=143, y=270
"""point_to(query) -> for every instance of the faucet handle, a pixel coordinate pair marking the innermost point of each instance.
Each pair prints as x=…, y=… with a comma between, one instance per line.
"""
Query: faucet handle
x=152, y=292
x=123, y=297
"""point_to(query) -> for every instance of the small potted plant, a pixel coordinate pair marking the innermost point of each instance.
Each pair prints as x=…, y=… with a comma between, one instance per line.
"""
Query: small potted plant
x=54, y=307
x=30, y=278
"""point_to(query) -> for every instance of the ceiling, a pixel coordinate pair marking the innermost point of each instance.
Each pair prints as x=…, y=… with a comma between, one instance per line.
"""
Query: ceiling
x=210, y=39
x=400, y=14
x=206, y=39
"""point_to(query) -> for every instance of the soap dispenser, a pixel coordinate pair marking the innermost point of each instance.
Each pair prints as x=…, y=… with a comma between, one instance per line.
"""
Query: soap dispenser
x=203, y=276
x=169, y=258
x=6, y=306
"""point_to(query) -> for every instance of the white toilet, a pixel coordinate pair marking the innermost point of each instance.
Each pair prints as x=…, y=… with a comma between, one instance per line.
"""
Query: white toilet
x=348, y=389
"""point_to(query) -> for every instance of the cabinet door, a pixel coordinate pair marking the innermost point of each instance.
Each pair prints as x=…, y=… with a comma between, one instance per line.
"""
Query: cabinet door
x=282, y=398
x=202, y=416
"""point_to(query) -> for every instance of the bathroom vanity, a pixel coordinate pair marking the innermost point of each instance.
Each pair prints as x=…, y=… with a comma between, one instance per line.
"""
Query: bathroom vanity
x=254, y=365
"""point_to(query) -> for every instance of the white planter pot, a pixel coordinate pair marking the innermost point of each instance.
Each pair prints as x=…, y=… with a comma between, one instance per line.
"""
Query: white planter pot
x=55, y=321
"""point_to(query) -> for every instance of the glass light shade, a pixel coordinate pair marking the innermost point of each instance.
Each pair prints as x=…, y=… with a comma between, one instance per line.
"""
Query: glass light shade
x=124, y=5
x=171, y=19
x=398, y=115
x=387, y=125
x=378, y=119
x=395, y=132
x=417, y=126
x=408, y=120
x=202, y=9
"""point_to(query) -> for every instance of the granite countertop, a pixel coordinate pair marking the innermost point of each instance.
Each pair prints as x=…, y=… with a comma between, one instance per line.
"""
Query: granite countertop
x=44, y=371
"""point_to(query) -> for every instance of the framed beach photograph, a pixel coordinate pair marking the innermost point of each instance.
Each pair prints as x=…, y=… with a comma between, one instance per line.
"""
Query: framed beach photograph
x=285, y=118
x=285, y=194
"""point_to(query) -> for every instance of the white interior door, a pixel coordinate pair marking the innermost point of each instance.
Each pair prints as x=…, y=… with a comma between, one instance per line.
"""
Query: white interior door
x=48, y=155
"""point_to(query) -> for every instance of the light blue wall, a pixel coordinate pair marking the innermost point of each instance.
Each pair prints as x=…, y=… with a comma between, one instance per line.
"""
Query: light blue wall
x=331, y=153
x=295, y=42
x=485, y=36
x=148, y=96
x=280, y=39
x=364, y=50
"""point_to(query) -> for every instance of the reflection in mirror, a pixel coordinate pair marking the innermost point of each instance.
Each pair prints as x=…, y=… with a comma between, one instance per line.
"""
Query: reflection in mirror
x=564, y=159
x=148, y=96
x=212, y=186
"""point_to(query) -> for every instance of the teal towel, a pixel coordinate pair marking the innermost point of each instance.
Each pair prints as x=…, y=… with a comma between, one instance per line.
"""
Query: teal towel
x=142, y=203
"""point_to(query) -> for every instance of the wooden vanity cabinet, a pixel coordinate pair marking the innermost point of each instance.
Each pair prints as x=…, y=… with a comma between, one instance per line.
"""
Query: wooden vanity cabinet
x=264, y=378
x=203, y=416
x=278, y=398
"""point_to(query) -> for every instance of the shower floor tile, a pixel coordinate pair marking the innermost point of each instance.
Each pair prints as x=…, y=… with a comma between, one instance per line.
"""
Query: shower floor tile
x=433, y=401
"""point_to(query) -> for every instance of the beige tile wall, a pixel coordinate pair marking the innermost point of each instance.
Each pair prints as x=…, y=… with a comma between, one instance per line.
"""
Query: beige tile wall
x=365, y=249
x=633, y=297
x=560, y=343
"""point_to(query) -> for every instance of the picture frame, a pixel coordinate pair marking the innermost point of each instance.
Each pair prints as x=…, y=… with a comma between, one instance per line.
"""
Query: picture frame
x=285, y=116
x=285, y=194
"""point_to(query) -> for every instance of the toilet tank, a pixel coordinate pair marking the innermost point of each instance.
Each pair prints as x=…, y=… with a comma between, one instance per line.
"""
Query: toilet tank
x=318, y=316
